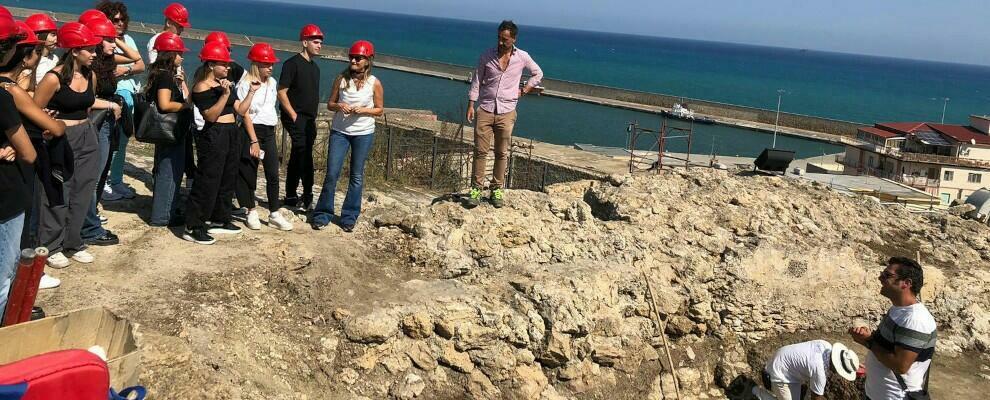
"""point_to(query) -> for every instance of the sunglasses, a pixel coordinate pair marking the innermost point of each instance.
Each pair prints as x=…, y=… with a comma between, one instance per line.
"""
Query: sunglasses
x=887, y=275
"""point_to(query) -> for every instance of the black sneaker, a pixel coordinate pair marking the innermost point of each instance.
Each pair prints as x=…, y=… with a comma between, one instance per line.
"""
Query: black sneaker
x=225, y=228
x=347, y=228
x=198, y=236
x=37, y=313
x=317, y=226
x=290, y=202
x=108, y=239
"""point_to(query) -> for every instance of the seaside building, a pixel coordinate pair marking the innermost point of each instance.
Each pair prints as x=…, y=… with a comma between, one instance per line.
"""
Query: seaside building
x=948, y=161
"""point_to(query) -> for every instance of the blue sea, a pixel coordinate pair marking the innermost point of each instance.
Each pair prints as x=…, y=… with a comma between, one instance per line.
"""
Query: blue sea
x=843, y=86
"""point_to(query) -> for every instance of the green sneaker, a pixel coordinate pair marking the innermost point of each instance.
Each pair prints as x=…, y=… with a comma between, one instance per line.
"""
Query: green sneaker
x=474, y=198
x=497, y=199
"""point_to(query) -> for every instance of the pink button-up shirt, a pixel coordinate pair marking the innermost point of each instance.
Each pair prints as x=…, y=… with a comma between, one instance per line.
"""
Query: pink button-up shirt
x=497, y=91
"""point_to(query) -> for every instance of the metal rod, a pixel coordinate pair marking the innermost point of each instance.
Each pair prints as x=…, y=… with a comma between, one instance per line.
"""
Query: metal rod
x=433, y=163
x=388, y=151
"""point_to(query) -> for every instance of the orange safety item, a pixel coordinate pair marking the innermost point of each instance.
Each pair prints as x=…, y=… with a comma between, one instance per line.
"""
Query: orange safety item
x=74, y=35
x=310, y=31
x=169, y=41
x=218, y=37
x=262, y=53
x=102, y=28
x=92, y=15
x=178, y=13
x=214, y=52
x=41, y=23
x=362, y=48
x=30, y=38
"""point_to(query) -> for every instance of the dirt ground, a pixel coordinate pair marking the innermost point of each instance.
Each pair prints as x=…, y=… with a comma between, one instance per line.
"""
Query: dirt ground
x=254, y=316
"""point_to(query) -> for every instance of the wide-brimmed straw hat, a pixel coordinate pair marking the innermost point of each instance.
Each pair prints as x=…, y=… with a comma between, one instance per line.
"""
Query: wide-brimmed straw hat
x=844, y=361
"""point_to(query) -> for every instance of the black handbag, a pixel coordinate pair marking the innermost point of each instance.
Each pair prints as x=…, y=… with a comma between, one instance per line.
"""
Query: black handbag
x=153, y=126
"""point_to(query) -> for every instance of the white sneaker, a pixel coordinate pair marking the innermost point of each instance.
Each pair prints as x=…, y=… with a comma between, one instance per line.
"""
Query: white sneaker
x=58, y=260
x=103, y=219
x=252, y=220
x=277, y=221
x=83, y=256
x=111, y=195
x=49, y=282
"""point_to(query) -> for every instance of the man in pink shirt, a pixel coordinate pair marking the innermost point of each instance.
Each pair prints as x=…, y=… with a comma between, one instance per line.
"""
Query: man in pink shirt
x=495, y=89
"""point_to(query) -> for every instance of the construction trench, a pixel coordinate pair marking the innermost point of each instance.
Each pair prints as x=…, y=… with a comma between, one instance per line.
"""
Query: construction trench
x=616, y=287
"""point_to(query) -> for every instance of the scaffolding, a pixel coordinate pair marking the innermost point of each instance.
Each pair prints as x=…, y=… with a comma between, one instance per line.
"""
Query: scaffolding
x=642, y=160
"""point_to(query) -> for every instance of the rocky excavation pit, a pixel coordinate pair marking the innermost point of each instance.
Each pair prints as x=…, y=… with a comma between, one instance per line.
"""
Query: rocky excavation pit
x=548, y=298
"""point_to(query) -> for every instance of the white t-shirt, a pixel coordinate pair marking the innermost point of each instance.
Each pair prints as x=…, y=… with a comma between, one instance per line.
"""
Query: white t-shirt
x=915, y=328
x=131, y=83
x=45, y=64
x=803, y=363
x=264, y=104
x=152, y=53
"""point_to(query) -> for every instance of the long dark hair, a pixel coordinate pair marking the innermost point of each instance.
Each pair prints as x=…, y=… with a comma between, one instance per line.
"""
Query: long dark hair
x=69, y=67
x=16, y=64
x=104, y=67
x=111, y=8
x=202, y=72
x=163, y=68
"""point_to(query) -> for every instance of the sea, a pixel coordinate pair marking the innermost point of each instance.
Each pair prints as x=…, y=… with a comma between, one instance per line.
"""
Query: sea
x=850, y=87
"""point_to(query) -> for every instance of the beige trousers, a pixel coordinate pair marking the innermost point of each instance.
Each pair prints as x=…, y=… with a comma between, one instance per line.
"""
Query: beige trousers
x=490, y=128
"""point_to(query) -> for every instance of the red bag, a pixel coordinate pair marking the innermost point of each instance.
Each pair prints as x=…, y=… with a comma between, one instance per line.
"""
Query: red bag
x=63, y=375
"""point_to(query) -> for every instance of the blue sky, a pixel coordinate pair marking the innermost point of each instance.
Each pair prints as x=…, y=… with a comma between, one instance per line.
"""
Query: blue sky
x=953, y=30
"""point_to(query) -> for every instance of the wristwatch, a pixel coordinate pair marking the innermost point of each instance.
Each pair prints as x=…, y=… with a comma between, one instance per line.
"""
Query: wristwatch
x=129, y=69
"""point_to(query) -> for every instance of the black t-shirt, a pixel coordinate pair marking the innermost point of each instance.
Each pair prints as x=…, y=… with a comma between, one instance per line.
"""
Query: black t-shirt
x=302, y=78
x=14, y=199
x=235, y=73
x=33, y=130
x=165, y=84
x=206, y=99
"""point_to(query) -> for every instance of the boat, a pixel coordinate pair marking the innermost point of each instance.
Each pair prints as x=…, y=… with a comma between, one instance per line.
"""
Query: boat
x=681, y=112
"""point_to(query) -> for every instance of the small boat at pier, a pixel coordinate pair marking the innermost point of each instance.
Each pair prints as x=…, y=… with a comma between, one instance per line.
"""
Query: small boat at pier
x=683, y=113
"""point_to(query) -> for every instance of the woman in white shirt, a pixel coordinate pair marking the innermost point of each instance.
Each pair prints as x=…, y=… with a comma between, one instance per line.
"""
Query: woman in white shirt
x=264, y=116
x=356, y=98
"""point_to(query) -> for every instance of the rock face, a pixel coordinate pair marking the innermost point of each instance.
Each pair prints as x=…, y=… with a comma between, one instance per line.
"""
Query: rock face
x=552, y=298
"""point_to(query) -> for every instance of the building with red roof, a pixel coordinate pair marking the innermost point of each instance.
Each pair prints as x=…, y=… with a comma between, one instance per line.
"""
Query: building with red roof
x=948, y=161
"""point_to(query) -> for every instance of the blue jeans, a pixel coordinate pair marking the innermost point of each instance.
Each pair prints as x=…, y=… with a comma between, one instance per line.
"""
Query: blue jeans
x=337, y=150
x=10, y=254
x=117, y=165
x=92, y=227
x=170, y=164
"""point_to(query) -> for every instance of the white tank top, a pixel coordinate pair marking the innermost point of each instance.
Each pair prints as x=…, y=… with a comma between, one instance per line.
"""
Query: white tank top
x=354, y=124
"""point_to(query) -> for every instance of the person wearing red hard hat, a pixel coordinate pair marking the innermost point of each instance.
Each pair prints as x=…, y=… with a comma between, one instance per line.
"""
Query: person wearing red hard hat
x=236, y=70
x=299, y=96
x=495, y=88
x=176, y=21
x=264, y=115
x=105, y=69
x=38, y=125
x=69, y=91
x=90, y=15
x=356, y=98
x=127, y=85
x=217, y=146
x=47, y=31
x=166, y=88
x=15, y=152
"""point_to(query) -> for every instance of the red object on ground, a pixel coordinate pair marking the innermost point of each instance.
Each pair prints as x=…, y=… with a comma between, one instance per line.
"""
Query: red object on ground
x=178, y=13
x=63, y=375
x=310, y=31
x=31, y=292
x=15, y=296
x=362, y=48
x=860, y=372
x=262, y=53
x=41, y=23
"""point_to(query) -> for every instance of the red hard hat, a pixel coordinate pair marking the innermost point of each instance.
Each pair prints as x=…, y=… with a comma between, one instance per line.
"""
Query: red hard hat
x=101, y=27
x=74, y=35
x=30, y=38
x=362, y=48
x=215, y=52
x=262, y=53
x=310, y=31
x=169, y=41
x=218, y=37
x=41, y=23
x=8, y=27
x=91, y=15
x=177, y=13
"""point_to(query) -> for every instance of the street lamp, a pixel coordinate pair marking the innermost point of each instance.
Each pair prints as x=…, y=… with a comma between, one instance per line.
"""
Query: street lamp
x=945, y=103
x=776, y=123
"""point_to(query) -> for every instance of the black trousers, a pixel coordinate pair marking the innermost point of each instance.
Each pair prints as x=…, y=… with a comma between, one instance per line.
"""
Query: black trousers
x=218, y=152
x=303, y=135
x=247, y=170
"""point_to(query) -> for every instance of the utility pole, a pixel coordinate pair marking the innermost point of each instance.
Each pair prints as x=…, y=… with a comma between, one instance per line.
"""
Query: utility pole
x=776, y=123
x=945, y=103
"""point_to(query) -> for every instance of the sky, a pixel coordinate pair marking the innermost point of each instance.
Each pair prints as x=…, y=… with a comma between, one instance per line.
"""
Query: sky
x=947, y=30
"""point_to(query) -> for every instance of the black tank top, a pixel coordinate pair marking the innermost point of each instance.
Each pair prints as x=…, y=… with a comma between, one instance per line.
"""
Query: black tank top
x=208, y=98
x=32, y=130
x=70, y=104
